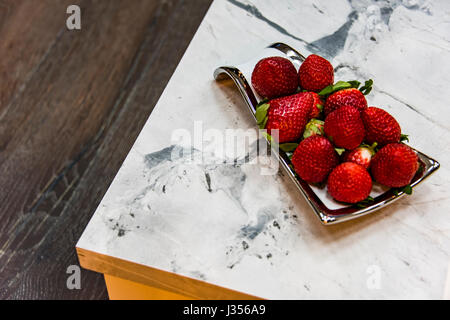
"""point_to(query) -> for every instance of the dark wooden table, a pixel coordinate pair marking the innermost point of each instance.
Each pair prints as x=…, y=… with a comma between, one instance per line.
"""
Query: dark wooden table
x=71, y=105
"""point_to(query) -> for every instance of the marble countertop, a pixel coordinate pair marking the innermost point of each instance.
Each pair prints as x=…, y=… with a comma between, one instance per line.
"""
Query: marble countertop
x=227, y=224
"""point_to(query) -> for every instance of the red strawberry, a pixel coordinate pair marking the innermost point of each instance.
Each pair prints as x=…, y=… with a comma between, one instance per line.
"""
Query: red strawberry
x=381, y=127
x=346, y=97
x=314, y=159
x=345, y=128
x=349, y=182
x=315, y=73
x=289, y=115
x=394, y=165
x=361, y=155
x=317, y=105
x=274, y=77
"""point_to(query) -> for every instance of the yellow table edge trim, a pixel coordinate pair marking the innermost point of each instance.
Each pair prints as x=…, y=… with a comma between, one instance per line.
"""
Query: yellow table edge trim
x=155, y=278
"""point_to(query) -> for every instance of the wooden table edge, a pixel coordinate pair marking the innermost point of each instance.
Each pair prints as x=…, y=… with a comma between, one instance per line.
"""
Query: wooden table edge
x=156, y=278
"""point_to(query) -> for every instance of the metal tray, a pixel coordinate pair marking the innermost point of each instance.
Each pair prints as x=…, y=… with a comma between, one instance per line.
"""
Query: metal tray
x=327, y=210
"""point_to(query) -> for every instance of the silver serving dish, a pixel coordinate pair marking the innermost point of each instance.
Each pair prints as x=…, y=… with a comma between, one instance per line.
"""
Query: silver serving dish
x=328, y=214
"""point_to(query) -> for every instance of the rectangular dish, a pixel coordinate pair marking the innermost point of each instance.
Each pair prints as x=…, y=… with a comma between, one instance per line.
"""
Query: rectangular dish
x=326, y=209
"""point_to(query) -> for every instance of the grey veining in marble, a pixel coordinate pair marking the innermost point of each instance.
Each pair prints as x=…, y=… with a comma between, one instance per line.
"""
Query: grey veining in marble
x=224, y=222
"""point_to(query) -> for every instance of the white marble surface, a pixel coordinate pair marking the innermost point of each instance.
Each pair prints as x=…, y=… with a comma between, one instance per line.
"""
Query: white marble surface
x=231, y=226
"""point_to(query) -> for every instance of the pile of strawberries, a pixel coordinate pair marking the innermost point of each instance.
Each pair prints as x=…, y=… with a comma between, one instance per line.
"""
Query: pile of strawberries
x=328, y=130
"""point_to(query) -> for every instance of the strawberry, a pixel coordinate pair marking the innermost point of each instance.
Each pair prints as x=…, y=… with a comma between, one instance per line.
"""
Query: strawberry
x=346, y=97
x=345, y=128
x=381, y=127
x=361, y=155
x=314, y=158
x=349, y=182
x=287, y=114
x=274, y=77
x=313, y=127
x=394, y=165
x=317, y=105
x=315, y=73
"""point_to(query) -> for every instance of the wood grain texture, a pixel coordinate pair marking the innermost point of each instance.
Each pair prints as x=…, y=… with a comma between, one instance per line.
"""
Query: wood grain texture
x=71, y=105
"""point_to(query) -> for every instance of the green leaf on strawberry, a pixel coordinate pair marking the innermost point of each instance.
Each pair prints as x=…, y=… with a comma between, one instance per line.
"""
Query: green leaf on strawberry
x=420, y=170
x=367, y=87
x=407, y=189
x=263, y=125
x=267, y=136
x=354, y=83
x=366, y=202
x=335, y=87
x=339, y=151
x=261, y=114
x=273, y=144
x=340, y=85
x=263, y=101
x=288, y=147
x=404, y=137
